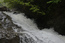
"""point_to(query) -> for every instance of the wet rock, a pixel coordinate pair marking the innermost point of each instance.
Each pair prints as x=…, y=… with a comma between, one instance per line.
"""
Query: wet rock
x=7, y=27
x=58, y=22
x=16, y=12
x=13, y=40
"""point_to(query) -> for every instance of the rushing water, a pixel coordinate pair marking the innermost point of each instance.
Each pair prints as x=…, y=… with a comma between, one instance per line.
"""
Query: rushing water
x=29, y=32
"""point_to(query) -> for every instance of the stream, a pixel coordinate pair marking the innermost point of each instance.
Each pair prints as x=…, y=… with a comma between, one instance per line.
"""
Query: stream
x=17, y=28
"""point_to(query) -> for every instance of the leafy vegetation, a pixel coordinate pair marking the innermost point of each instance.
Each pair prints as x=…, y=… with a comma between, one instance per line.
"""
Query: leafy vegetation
x=34, y=5
x=54, y=1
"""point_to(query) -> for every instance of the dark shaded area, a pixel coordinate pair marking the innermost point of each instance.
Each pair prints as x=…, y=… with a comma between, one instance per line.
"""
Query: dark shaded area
x=4, y=8
x=56, y=17
x=13, y=40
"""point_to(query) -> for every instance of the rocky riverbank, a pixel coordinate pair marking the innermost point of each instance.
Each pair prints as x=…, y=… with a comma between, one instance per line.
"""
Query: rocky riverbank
x=7, y=29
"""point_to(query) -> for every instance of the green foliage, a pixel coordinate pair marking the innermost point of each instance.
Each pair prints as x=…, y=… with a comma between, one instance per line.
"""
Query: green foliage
x=33, y=8
x=36, y=6
x=27, y=4
x=54, y=1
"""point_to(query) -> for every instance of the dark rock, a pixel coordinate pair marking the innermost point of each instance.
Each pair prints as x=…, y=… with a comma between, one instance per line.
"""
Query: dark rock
x=4, y=8
x=16, y=12
x=56, y=17
x=13, y=40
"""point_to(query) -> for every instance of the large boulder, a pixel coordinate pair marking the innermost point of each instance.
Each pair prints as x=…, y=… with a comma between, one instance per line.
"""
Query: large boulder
x=56, y=17
x=4, y=8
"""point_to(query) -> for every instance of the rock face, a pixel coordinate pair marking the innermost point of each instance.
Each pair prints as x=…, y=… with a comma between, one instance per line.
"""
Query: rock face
x=58, y=23
x=7, y=29
x=57, y=17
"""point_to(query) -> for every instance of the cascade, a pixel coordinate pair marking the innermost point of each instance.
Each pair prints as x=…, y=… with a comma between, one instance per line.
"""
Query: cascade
x=26, y=29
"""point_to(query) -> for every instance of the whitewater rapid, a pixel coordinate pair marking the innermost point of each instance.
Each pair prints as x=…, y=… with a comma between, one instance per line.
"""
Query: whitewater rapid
x=31, y=31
